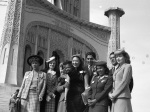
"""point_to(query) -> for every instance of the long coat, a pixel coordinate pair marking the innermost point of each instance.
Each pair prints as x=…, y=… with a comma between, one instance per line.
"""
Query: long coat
x=100, y=87
x=27, y=97
x=121, y=92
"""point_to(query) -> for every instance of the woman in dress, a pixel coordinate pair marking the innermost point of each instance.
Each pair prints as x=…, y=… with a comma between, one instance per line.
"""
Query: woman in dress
x=121, y=95
x=76, y=86
x=33, y=86
x=51, y=85
x=63, y=85
x=101, y=85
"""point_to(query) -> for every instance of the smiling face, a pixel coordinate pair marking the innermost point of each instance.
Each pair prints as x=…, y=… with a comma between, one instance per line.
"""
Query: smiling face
x=112, y=58
x=76, y=62
x=100, y=70
x=120, y=59
x=52, y=64
x=68, y=68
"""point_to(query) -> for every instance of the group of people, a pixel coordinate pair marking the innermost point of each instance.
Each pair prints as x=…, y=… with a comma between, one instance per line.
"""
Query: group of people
x=78, y=87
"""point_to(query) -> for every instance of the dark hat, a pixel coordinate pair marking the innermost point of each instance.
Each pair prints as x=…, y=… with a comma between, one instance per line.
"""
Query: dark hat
x=35, y=58
x=100, y=63
x=119, y=51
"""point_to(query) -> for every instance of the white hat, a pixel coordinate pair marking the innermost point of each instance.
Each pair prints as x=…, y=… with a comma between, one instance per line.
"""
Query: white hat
x=50, y=59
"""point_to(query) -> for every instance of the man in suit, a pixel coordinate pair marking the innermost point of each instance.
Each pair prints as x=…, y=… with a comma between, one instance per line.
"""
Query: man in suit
x=89, y=68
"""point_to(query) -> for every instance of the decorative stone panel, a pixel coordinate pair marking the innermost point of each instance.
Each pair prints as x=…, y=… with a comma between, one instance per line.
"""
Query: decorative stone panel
x=60, y=42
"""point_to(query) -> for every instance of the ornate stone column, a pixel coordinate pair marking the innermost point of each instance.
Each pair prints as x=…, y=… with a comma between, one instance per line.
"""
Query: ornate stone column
x=114, y=14
x=10, y=44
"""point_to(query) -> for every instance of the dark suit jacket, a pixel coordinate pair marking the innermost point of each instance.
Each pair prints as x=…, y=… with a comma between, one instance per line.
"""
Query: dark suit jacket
x=100, y=87
x=89, y=74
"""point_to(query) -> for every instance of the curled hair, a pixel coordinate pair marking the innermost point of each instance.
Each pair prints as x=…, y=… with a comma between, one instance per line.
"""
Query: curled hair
x=127, y=57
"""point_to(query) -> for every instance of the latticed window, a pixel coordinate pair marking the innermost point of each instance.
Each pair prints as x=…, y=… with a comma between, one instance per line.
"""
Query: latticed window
x=76, y=8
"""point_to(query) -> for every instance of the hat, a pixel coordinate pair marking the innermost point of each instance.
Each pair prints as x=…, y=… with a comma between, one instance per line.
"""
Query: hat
x=119, y=51
x=100, y=63
x=35, y=58
x=50, y=59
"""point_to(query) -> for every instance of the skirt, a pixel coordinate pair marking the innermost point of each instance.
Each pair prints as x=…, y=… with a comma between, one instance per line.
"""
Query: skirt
x=50, y=106
x=61, y=107
x=32, y=103
x=121, y=105
x=98, y=108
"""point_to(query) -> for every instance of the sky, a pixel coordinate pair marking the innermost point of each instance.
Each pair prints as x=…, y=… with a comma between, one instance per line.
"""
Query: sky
x=135, y=38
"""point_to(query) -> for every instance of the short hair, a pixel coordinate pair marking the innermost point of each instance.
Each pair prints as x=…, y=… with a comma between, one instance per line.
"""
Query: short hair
x=91, y=53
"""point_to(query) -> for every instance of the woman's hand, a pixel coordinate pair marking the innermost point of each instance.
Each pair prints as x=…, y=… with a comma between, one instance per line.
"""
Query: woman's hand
x=111, y=97
x=40, y=98
x=48, y=98
x=92, y=102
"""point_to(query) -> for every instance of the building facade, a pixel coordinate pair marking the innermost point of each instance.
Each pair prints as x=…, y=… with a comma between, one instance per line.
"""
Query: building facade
x=43, y=27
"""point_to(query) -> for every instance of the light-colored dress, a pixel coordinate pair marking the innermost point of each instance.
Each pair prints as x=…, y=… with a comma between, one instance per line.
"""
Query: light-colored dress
x=30, y=91
x=121, y=92
x=51, y=85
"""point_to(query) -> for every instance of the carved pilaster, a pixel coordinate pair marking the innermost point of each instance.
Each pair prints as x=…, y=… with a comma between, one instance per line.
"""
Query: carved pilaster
x=8, y=26
x=114, y=15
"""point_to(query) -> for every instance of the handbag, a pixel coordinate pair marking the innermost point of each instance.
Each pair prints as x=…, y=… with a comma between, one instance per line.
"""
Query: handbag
x=18, y=105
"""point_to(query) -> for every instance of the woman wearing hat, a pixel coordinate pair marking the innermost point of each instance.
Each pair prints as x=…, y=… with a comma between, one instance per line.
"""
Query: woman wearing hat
x=101, y=85
x=121, y=93
x=76, y=86
x=51, y=85
x=33, y=86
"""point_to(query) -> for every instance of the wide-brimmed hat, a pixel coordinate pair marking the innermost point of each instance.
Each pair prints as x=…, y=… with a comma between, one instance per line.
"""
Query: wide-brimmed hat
x=35, y=58
x=119, y=51
x=50, y=59
x=100, y=63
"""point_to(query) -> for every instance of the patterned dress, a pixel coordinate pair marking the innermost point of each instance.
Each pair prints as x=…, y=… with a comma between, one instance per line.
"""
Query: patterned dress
x=51, y=88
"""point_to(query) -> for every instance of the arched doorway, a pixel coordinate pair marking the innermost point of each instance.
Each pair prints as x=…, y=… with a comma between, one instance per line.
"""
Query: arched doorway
x=28, y=52
x=60, y=54
x=41, y=54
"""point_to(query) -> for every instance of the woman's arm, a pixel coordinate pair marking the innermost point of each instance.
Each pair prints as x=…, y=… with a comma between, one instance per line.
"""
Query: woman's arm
x=44, y=86
x=22, y=85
